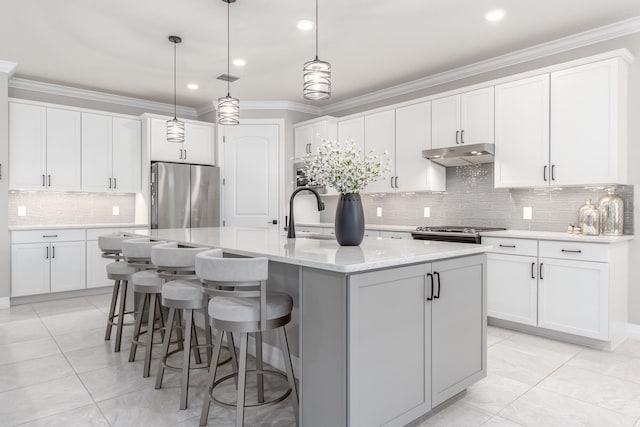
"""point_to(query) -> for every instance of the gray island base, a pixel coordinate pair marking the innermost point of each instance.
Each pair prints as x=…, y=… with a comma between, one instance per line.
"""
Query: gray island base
x=382, y=333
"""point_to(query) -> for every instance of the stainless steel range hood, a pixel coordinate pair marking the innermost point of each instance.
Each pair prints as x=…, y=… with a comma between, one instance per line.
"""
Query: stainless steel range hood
x=461, y=155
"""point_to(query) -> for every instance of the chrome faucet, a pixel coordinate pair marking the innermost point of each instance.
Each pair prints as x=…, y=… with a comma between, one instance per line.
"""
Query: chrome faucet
x=291, y=231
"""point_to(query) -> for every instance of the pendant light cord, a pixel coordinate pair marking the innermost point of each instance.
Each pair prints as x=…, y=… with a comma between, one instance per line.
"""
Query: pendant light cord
x=316, y=29
x=228, y=49
x=175, y=108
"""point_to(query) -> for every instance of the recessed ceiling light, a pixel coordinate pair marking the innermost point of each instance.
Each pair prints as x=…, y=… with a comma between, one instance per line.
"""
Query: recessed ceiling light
x=305, y=25
x=192, y=86
x=239, y=62
x=495, y=15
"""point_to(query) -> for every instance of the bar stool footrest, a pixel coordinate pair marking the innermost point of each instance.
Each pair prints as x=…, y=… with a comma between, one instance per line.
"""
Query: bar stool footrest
x=271, y=402
x=203, y=365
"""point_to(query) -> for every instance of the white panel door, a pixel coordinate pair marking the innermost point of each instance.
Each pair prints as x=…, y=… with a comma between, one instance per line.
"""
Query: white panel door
x=512, y=288
x=30, y=269
x=352, y=130
x=584, y=126
x=573, y=297
x=161, y=149
x=476, y=117
x=522, y=133
x=96, y=266
x=413, y=134
x=68, y=263
x=64, y=151
x=251, y=170
x=445, y=122
x=126, y=155
x=380, y=137
x=96, y=152
x=27, y=146
x=198, y=144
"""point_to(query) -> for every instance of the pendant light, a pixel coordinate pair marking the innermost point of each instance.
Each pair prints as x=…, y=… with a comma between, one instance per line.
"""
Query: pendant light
x=228, y=107
x=316, y=75
x=175, y=128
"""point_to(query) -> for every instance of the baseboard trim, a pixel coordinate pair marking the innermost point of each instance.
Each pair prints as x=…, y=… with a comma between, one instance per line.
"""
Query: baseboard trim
x=633, y=331
x=60, y=295
x=5, y=302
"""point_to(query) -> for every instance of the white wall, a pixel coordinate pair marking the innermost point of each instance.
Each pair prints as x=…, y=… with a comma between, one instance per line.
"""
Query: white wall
x=4, y=187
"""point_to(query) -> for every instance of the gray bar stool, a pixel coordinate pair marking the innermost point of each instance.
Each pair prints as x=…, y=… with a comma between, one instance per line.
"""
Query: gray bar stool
x=247, y=309
x=120, y=272
x=182, y=294
x=146, y=284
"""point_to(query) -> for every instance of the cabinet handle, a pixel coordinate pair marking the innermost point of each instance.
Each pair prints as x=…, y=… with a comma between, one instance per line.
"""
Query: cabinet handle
x=49, y=235
x=457, y=133
x=462, y=136
x=47, y=256
x=49, y=177
x=544, y=173
x=507, y=246
x=533, y=269
x=438, y=277
x=396, y=182
x=430, y=276
x=396, y=237
x=53, y=252
x=553, y=172
x=391, y=182
x=185, y=154
x=0, y=171
x=43, y=181
x=180, y=154
x=540, y=274
x=115, y=183
x=579, y=251
x=109, y=182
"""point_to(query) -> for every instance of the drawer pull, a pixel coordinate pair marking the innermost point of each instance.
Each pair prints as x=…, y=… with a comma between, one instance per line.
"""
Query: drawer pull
x=579, y=251
x=507, y=246
x=396, y=237
x=49, y=235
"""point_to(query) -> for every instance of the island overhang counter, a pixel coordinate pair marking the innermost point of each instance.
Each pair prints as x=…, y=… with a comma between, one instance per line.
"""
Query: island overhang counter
x=383, y=332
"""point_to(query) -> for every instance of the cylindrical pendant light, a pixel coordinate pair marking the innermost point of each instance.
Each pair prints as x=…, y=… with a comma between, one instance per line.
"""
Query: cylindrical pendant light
x=316, y=75
x=228, y=107
x=175, y=128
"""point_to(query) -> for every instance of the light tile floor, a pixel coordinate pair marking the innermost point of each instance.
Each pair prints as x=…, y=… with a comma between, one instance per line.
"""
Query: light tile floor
x=57, y=370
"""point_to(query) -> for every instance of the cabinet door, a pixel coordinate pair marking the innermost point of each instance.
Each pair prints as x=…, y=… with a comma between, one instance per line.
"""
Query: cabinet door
x=584, y=124
x=512, y=288
x=522, y=133
x=161, y=149
x=445, y=122
x=476, y=117
x=413, y=134
x=352, y=130
x=126, y=155
x=573, y=297
x=64, y=151
x=96, y=266
x=302, y=141
x=68, y=263
x=389, y=327
x=380, y=137
x=319, y=132
x=29, y=269
x=27, y=146
x=198, y=144
x=458, y=321
x=96, y=152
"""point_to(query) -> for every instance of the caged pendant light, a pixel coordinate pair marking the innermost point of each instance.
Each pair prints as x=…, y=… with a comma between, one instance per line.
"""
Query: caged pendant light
x=228, y=107
x=316, y=75
x=175, y=128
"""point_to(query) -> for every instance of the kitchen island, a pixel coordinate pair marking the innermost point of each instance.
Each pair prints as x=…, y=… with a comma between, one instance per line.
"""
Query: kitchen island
x=383, y=332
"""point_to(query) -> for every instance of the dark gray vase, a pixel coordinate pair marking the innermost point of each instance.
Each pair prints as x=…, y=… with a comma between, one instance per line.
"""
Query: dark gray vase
x=349, y=220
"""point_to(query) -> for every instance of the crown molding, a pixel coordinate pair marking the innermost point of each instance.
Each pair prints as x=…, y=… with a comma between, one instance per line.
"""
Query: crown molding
x=265, y=105
x=205, y=108
x=564, y=44
x=7, y=67
x=55, y=89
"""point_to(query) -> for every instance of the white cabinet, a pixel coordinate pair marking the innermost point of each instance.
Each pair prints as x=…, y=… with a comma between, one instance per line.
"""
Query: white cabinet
x=396, y=235
x=30, y=269
x=352, y=130
x=110, y=153
x=96, y=266
x=67, y=266
x=512, y=287
x=467, y=118
x=308, y=136
x=44, y=148
x=380, y=137
x=198, y=146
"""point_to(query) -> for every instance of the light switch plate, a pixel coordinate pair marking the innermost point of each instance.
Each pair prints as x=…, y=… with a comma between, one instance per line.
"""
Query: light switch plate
x=527, y=212
x=22, y=211
x=379, y=212
x=115, y=210
x=427, y=212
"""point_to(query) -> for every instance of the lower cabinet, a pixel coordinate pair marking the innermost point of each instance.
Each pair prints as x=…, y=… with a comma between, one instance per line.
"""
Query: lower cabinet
x=96, y=266
x=512, y=286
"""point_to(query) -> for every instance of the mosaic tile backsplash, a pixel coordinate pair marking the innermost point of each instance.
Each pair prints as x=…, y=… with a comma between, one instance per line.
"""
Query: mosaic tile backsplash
x=51, y=208
x=472, y=200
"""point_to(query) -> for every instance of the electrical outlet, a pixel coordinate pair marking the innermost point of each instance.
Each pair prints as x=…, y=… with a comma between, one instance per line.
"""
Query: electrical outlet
x=115, y=210
x=527, y=212
x=427, y=212
x=379, y=212
x=22, y=211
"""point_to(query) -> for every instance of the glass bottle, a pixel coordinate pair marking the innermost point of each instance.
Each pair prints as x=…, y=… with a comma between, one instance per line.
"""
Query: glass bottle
x=590, y=221
x=611, y=214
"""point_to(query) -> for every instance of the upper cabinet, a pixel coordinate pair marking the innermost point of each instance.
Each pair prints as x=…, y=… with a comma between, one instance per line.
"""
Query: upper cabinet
x=380, y=137
x=308, y=137
x=110, y=153
x=463, y=119
x=198, y=146
x=44, y=148
x=352, y=130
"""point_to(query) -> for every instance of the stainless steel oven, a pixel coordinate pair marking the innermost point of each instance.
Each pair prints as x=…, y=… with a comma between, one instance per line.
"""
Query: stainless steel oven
x=451, y=233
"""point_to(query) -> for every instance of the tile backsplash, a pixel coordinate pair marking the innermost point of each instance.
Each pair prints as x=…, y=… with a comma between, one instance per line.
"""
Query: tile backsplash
x=51, y=208
x=472, y=200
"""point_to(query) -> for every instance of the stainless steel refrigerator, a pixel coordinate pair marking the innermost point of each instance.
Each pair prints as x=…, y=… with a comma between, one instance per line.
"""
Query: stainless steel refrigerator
x=184, y=196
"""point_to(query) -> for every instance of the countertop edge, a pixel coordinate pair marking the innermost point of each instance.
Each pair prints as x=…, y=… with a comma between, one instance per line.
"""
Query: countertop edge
x=377, y=227
x=73, y=226
x=553, y=235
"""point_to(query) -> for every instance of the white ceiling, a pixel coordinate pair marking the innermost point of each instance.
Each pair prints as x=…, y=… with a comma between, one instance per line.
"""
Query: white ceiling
x=121, y=46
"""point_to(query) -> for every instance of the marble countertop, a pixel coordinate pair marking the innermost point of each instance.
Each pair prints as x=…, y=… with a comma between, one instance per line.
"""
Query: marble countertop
x=374, y=253
x=552, y=235
x=377, y=227
x=71, y=226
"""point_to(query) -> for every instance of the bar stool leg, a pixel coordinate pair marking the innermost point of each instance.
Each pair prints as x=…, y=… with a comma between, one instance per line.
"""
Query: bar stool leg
x=150, y=328
x=231, y=345
x=194, y=338
x=242, y=379
x=179, y=333
x=123, y=301
x=186, y=359
x=160, y=316
x=136, y=329
x=259, y=366
x=213, y=368
x=284, y=344
x=112, y=309
x=207, y=327
x=165, y=346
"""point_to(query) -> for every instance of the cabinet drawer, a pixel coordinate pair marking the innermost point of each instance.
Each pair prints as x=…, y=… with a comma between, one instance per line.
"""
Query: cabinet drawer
x=395, y=235
x=503, y=245
x=51, y=235
x=575, y=250
x=93, y=233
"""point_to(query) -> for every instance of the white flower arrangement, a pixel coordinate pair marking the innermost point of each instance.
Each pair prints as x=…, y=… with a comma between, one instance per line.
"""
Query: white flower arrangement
x=339, y=166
